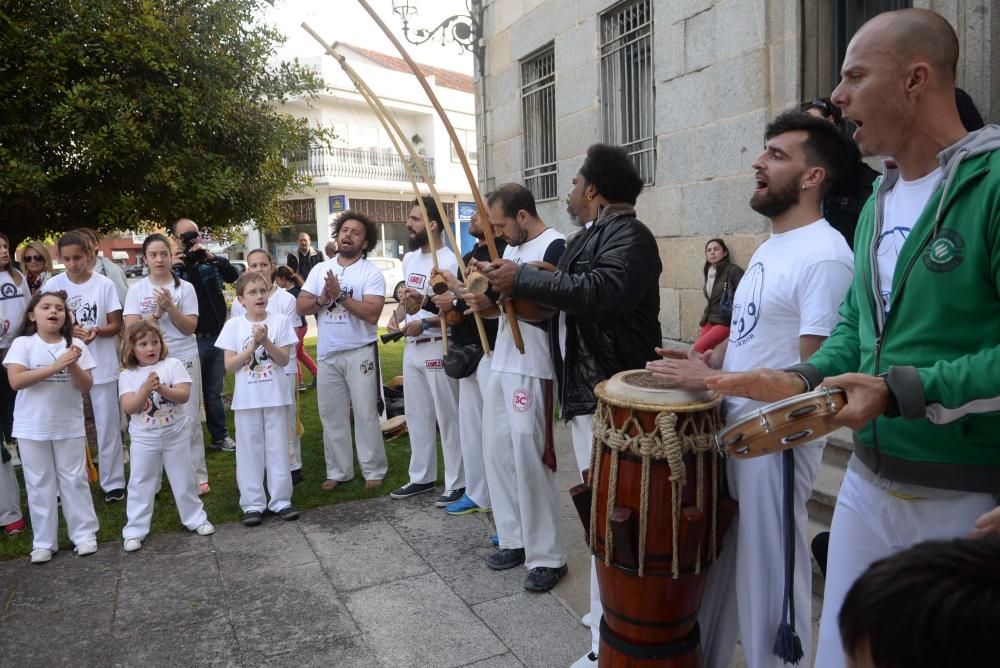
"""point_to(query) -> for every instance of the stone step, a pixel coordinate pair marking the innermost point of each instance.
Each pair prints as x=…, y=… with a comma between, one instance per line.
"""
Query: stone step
x=839, y=448
x=824, y=494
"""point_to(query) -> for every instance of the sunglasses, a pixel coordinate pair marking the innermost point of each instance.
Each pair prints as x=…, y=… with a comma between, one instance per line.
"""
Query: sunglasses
x=32, y=258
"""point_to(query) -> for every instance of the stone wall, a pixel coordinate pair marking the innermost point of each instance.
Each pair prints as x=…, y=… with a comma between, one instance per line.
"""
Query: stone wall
x=722, y=68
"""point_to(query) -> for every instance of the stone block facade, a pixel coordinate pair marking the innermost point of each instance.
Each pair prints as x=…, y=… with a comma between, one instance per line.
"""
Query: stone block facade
x=721, y=69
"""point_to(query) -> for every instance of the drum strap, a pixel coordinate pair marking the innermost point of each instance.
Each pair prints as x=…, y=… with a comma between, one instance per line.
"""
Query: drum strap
x=787, y=645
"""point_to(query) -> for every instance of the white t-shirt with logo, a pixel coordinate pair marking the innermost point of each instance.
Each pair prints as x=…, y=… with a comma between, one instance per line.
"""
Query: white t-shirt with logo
x=793, y=287
x=14, y=300
x=537, y=359
x=53, y=408
x=281, y=304
x=338, y=330
x=260, y=383
x=141, y=301
x=160, y=416
x=903, y=205
x=417, y=267
x=91, y=302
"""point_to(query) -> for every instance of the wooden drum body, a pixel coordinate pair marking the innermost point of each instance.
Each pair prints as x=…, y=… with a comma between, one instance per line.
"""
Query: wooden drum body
x=657, y=517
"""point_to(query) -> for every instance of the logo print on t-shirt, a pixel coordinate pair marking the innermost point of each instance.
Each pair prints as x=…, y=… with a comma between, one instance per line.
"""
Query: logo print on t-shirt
x=416, y=281
x=158, y=411
x=9, y=291
x=260, y=368
x=86, y=312
x=747, y=305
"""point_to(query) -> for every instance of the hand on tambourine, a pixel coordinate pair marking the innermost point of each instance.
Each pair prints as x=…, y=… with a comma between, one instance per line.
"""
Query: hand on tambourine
x=760, y=384
x=682, y=373
x=501, y=274
x=867, y=398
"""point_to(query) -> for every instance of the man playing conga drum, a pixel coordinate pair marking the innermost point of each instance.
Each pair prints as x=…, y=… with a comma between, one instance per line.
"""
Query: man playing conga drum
x=784, y=307
x=917, y=350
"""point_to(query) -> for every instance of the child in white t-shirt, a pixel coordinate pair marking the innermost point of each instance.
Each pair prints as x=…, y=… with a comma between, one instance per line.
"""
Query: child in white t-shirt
x=257, y=346
x=50, y=369
x=153, y=389
x=97, y=320
x=172, y=304
x=280, y=303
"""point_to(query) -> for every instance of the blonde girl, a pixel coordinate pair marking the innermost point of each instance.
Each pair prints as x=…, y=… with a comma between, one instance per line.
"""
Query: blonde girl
x=153, y=389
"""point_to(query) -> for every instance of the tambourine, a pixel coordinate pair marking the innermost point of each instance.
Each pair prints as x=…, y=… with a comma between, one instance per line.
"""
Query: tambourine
x=393, y=427
x=782, y=425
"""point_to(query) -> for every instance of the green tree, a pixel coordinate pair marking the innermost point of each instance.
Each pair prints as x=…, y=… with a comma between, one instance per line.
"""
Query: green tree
x=117, y=114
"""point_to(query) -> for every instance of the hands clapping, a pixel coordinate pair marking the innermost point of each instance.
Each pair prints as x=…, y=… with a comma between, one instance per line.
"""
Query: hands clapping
x=68, y=358
x=259, y=333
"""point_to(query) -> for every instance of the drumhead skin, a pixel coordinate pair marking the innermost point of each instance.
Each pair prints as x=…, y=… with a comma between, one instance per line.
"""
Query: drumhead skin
x=639, y=388
x=782, y=425
x=394, y=426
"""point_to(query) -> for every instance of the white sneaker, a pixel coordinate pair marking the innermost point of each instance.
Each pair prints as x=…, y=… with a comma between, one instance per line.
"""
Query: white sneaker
x=86, y=547
x=205, y=529
x=40, y=555
x=588, y=660
x=585, y=620
x=132, y=544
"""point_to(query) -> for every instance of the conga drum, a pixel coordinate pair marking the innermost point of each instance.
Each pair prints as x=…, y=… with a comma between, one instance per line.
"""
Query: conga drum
x=657, y=517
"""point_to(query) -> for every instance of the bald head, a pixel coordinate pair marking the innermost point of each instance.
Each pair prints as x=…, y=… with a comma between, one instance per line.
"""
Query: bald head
x=916, y=35
x=182, y=225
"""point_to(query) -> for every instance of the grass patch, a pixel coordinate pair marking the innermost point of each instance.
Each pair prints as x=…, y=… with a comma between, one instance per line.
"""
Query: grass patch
x=222, y=503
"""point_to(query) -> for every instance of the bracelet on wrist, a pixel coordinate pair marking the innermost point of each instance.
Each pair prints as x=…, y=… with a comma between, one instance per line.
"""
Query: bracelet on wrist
x=425, y=325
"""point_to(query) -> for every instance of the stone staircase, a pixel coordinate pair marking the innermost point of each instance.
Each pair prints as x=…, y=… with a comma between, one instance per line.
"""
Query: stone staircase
x=838, y=450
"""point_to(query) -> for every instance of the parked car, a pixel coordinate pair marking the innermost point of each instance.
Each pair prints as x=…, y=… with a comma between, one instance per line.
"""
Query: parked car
x=134, y=270
x=241, y=265
x=392, y=271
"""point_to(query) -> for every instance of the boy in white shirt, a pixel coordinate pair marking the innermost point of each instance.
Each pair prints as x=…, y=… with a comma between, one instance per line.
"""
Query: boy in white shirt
x=257, y=345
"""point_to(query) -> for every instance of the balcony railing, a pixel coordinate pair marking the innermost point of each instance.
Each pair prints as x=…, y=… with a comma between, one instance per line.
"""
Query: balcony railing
x=355, y=163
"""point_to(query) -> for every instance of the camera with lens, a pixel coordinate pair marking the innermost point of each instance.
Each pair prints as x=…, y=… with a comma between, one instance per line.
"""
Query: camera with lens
x=188, y=241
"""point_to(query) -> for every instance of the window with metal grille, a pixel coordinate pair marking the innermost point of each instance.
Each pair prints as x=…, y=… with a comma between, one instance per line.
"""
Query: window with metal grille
x=627, y=90
x=538, y=119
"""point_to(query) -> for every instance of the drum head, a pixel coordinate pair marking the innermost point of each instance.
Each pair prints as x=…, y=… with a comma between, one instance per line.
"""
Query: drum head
x=394, y=426
x=644, y=390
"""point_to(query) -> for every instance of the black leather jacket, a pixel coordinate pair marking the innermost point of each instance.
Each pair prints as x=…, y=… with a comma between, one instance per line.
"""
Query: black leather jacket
x=607, y=283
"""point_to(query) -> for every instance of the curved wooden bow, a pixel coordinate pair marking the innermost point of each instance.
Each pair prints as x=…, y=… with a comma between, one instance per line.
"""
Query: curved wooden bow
x=515, y=330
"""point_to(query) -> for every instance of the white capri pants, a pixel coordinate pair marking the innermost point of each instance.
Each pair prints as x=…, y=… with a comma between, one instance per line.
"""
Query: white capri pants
x=262, y=447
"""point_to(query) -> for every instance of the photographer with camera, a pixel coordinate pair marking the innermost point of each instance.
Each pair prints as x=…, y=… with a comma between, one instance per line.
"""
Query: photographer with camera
x=207, y=273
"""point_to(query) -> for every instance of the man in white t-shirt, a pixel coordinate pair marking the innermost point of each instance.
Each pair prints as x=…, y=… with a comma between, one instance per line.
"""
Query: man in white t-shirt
x=429, y=393
x=783, y=309
x=520, y=464
x=347, y=293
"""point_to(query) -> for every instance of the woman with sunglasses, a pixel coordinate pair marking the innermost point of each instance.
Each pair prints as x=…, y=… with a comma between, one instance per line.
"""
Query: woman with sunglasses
x=37, y=264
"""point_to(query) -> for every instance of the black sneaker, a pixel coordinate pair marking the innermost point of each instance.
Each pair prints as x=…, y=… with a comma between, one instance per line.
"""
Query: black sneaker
x=542, y=578
x=252, y=518
x=449, y=497
x=225, y=445
x=412, y=489
x=114, y=496
x=297, y=477
x=289, y=513
x=502, y=559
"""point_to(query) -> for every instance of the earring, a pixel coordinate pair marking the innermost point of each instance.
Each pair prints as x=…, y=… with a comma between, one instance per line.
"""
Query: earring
x=590, y=197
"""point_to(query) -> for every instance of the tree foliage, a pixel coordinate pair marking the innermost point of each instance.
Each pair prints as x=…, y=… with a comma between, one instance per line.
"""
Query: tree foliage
x=117, y=114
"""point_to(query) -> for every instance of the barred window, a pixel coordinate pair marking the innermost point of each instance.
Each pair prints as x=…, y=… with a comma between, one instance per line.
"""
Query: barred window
x=627, y=90
x=538, y=117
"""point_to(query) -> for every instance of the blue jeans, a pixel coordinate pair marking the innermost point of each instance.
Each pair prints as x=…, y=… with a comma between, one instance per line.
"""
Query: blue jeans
x=213, y=372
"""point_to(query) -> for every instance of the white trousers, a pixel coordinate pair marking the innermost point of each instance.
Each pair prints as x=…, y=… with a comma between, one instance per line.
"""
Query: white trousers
x=149, y=455
x=746, y=585
x=522, y=488
x=54, y=471
x=470, y=413
x=10, y=495
x=294, y=442
x=429, y=394
x=348, y=380
x=581, y=432
x=107, y=421
x=192, y=410
x=869, y=524
x=262, y=448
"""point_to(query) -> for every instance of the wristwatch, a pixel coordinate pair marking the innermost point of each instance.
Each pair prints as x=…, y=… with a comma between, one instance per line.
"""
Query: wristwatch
x=892, y=405
x=341, y=298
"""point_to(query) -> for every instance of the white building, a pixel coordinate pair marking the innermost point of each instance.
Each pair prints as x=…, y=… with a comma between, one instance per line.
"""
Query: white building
x=361, y=170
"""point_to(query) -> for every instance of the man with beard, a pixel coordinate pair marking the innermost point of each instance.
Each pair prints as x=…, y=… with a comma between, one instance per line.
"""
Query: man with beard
x=783, y=309
x=607, y=291
x=347, y=293
x=917, y=351
x=429, y=394
x=519, y=396
x=471, y=388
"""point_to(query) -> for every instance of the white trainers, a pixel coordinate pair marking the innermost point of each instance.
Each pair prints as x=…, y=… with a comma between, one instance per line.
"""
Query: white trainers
x=585, y=620
x=86, y=547
x=132, y=544
x=40, y=555
x=588, y=660
x=205, y=529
